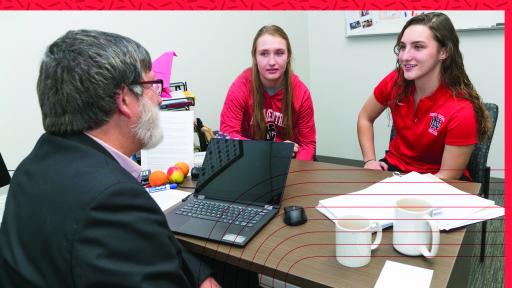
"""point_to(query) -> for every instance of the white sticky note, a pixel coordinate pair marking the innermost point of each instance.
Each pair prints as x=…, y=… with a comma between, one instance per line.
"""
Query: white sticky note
x=398, y=275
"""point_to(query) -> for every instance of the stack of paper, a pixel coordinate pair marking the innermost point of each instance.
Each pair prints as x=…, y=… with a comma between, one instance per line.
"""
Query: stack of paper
x=452, y=207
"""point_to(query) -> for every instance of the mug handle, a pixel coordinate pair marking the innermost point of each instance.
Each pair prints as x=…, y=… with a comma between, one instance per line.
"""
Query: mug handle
x=377, y=228
x=435, y=238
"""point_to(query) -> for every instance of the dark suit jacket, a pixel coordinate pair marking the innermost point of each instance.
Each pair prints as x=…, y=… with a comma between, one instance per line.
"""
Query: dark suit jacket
x=75, y=218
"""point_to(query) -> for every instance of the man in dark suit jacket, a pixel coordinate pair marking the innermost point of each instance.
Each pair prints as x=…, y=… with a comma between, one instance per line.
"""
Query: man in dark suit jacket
x=76, y=215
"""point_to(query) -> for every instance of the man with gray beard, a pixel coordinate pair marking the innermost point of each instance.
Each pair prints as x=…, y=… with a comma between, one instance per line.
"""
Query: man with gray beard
x=76, y=214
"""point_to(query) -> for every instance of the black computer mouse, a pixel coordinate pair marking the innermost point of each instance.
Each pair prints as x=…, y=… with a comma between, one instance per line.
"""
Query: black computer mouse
x=294, y=215
x=195, y=173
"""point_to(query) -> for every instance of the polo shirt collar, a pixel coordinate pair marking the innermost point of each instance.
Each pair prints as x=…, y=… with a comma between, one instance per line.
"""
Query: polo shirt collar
x=432, y=97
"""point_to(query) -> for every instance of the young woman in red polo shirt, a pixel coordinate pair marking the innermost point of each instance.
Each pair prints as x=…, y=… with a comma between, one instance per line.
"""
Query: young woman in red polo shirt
x=437, y=114
x=268, y=101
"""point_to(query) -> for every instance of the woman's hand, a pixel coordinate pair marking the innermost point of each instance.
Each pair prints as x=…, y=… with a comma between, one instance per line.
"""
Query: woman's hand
x=376, y=165
x=295, y=147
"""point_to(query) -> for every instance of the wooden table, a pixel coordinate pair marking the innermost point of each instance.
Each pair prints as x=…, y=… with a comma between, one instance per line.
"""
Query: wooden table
x=305, y=255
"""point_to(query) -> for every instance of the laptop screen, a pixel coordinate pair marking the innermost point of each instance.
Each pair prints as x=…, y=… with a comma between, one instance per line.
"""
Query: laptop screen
x=245, y=171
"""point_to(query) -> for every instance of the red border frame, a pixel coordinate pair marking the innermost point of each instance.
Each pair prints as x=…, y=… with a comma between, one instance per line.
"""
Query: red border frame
x=306, y=5
x=508, y=158
x=254, y=5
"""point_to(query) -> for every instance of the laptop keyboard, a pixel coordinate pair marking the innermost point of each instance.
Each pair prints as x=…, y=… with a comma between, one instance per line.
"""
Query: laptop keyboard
x=222, y=212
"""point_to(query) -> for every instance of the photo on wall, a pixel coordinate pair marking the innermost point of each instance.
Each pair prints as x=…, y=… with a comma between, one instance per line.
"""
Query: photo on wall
x=373, y=22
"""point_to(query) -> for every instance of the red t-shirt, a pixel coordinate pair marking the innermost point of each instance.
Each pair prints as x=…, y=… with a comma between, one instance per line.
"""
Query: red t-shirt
x=236, y=115
x=420, y=136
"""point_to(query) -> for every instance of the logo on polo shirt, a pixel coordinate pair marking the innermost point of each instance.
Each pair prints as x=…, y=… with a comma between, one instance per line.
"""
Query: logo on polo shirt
x=436, y=121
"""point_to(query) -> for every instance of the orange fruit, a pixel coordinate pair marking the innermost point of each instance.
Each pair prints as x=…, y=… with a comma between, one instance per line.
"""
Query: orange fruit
x=157, y=178
x=183, y=166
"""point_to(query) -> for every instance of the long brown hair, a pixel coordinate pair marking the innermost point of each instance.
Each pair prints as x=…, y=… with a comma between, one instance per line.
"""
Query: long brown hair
x=259, y=126
x=453, y=74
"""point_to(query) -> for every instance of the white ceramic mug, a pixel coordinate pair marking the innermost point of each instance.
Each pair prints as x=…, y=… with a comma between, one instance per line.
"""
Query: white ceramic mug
x=354, y=240
x=414, y=229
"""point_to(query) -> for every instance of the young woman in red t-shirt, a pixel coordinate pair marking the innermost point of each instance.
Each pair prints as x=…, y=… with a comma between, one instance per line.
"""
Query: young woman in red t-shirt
x=437, y=114
x=268, y=101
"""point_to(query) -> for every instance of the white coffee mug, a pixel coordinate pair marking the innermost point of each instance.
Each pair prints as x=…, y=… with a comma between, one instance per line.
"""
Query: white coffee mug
x=414, y=229
x=354, y=240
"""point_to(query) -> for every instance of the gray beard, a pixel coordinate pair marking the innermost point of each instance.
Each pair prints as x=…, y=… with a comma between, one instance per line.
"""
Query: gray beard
x=148, y=130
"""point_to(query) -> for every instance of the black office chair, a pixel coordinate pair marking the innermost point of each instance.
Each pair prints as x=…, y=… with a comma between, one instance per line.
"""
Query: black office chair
x=204, y=133
x=480, y=171
x=477, y=166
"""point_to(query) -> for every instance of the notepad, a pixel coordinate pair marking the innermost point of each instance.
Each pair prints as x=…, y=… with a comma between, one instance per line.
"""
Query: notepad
x=169, y=198
x=398, y=275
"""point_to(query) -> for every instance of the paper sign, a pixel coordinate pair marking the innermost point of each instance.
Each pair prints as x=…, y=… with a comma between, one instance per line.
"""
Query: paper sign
x=178, y=143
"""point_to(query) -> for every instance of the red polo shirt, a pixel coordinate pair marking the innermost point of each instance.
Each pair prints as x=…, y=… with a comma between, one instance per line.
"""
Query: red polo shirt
x=420, y=136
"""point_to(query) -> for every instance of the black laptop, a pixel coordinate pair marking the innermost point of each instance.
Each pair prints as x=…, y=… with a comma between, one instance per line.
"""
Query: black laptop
x=239, y=190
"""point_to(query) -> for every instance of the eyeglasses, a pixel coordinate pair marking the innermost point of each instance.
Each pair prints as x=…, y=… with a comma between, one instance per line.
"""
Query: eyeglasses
x=156, y=85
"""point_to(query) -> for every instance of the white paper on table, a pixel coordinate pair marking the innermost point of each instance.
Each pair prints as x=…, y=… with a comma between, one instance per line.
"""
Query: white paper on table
x=398, y=275
x=484, y=214
x=178, y=143
x=378, y=201
x=169, y=198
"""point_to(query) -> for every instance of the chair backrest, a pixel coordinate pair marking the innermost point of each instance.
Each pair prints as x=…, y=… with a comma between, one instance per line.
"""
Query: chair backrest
x=204, y=134
x=478, y=161
x=203, y=145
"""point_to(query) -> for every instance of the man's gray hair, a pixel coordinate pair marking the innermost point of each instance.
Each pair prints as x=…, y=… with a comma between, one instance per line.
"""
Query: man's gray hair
x=80, y=76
